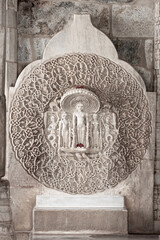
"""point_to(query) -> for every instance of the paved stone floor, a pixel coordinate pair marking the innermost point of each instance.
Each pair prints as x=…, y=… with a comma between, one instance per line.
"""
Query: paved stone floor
x=98, y=237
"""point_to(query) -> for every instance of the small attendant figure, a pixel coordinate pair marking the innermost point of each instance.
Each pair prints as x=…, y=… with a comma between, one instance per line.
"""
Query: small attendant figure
x=64, y=131
x=95, y=132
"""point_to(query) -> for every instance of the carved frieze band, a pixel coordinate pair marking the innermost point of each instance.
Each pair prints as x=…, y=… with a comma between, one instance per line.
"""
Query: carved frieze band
x=79, y=123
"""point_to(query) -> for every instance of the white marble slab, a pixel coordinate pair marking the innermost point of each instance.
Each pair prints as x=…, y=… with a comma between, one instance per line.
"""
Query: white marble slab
x=80, y=201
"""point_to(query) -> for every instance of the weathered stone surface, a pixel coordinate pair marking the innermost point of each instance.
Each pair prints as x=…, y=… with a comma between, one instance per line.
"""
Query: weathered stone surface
x=158, y=152
x=6, y=229
x=131, y=51
x=2, y=76
x=21, y=66
x=10, y=75
x=141, y=215
x=146, y=76
x=3, y=195
x=157, y=165
x=158, y=133
x=11, y=45
x=158, y=79
x=157, y=226
x=39, y=45
x=150, y=153
x=11, y=18
x=2, y=13
x=2, y=41
x=16, y=179
x=2, y=52
x=149, y=53
x=156, y=200
x=4, y=188
x=25, y=53
x=33, y=15
x=106, y=220
x=132, y=21
x=157, y=177
x=5, y=213
x=22, y=204
x=23, y=236
x=158, y=107
x=11, y=4
x=139, y=205
x=10, y=237
x=2, y=136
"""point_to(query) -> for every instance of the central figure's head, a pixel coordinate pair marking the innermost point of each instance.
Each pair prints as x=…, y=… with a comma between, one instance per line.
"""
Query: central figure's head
x=79, y=107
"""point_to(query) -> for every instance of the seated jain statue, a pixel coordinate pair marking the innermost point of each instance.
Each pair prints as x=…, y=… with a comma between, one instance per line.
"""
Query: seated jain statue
x=80, y=127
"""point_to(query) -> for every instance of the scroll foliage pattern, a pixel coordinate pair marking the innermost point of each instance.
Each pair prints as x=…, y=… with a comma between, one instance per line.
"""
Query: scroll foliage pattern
x=114, y=86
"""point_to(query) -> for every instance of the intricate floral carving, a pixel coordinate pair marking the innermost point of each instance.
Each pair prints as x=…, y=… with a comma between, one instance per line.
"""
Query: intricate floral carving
x=36, y=119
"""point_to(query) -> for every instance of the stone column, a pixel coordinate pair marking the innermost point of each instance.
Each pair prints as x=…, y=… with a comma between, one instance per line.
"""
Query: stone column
x=8, y=75
x=11, y=45
x=8, y=65
x=157, y=89
x=2, y=77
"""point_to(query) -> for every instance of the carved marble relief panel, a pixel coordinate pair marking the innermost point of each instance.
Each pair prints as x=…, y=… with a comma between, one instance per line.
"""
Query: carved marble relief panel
x=79, y=123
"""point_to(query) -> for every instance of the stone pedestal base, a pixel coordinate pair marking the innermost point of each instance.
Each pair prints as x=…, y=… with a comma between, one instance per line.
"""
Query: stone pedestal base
x=80, y=220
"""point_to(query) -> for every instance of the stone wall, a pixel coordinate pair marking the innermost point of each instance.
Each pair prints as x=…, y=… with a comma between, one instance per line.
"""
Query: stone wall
x=6, y=226
x=157, y=89
x=128, y=23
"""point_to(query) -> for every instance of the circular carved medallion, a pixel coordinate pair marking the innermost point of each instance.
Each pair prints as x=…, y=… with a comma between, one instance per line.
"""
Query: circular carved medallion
x=47, y=127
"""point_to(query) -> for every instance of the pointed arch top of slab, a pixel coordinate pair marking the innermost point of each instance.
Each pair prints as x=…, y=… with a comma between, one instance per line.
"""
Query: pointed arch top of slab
x=80, y=36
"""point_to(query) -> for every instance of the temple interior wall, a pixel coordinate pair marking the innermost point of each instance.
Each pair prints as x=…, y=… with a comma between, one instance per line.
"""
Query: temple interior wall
x=129, y=25
x=26, y=28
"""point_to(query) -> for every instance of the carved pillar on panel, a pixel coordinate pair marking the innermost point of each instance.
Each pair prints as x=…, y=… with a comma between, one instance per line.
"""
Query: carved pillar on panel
x=8, y=69
x=2, y=97
x=157, y=89
x=10, y=51
x=11, y=44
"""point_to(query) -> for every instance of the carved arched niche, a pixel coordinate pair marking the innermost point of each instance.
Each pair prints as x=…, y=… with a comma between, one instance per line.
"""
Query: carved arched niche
x=79, y=123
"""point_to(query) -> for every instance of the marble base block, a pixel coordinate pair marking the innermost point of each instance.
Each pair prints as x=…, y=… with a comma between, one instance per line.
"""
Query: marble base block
x=97, y=214
x=72, y=220
x=96, y=201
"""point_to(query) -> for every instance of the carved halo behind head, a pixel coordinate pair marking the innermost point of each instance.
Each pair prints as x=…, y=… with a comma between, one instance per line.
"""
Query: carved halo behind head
x=71, y=98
